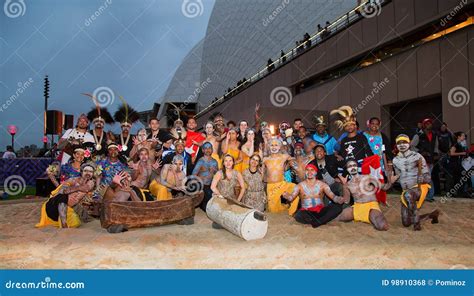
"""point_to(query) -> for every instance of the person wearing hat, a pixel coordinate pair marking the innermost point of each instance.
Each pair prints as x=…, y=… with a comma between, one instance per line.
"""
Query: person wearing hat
x=311, y=192
x=75, y=136
x=126, y=116
x=99, y=117
x=354, y=145
x=426, y=141
x=415, y=179
x=111, y=165
x=179, y=145
x=59, y=210
x=321, y=136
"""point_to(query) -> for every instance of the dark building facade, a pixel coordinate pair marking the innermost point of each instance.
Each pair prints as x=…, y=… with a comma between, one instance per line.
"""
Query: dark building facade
x=413, y=59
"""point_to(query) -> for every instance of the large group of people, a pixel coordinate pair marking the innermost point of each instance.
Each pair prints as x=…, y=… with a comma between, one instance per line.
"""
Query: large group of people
x=315, y=178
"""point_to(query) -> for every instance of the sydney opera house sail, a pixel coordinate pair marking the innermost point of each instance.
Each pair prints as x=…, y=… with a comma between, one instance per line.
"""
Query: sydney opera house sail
x=241, y=36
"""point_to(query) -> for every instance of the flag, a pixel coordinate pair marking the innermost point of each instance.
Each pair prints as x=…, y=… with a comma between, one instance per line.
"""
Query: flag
x=371, y=166
x=190, y=137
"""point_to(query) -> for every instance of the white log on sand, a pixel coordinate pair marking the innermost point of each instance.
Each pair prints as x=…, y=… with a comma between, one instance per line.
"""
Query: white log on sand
x=240, y=220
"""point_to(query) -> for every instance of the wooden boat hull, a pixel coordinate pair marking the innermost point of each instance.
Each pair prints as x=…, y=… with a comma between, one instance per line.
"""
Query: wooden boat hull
x=134, y=214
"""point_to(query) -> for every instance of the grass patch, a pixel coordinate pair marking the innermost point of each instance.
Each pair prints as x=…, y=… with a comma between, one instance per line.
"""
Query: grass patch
x=29, y=190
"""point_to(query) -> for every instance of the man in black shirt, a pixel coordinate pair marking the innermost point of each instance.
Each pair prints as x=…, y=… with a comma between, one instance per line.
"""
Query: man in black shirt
x=354, y=146
x=327, y=170
x=155, y=132
x=327, y=165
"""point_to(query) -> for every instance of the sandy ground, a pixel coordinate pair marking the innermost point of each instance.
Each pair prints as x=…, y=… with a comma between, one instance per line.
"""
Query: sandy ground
x=288, y=244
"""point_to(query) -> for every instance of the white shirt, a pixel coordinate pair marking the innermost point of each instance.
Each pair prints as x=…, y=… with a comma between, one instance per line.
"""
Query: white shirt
x=9, y=155
x=72, y=132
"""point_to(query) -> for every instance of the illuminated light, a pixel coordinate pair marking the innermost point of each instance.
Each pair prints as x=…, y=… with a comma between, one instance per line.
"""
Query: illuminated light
x=12, y=130
x=272, y=129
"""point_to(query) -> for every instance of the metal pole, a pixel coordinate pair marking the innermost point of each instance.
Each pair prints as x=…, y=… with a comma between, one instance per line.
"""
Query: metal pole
x=13, y=142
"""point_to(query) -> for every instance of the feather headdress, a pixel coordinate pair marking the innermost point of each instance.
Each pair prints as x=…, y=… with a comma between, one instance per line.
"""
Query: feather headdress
x=346, y=114
x=178, y=131
x=99, y=113
x=125, y=114
x=319, y=120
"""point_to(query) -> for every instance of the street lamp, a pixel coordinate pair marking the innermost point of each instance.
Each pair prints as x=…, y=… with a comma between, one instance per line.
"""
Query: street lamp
x=12, y=130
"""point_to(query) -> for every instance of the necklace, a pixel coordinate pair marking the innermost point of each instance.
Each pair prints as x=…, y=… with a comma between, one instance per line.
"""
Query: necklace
x=98, y=146
x=124, y=145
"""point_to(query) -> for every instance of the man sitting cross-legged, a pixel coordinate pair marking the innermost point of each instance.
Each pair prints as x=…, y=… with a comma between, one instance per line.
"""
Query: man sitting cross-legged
x=312, y=192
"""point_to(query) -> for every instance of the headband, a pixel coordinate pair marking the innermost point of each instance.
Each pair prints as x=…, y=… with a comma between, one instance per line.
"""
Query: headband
x=310, y=165
x=207, y=145
x=402, y=138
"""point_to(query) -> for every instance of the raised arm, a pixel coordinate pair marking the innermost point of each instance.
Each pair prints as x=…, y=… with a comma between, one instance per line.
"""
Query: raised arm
x=225, y=144
x=257, y=117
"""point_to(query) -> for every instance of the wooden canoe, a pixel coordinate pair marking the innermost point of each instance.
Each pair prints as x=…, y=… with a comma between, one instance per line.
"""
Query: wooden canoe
x=136, y=214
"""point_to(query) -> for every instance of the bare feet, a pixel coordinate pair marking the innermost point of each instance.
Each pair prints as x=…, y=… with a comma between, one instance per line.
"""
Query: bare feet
x=434, y=217
x=417, y=226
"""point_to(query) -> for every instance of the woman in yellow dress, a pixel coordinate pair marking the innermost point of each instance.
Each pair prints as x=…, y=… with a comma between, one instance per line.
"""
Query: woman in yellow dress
x=231, y=146
x=249, y=148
